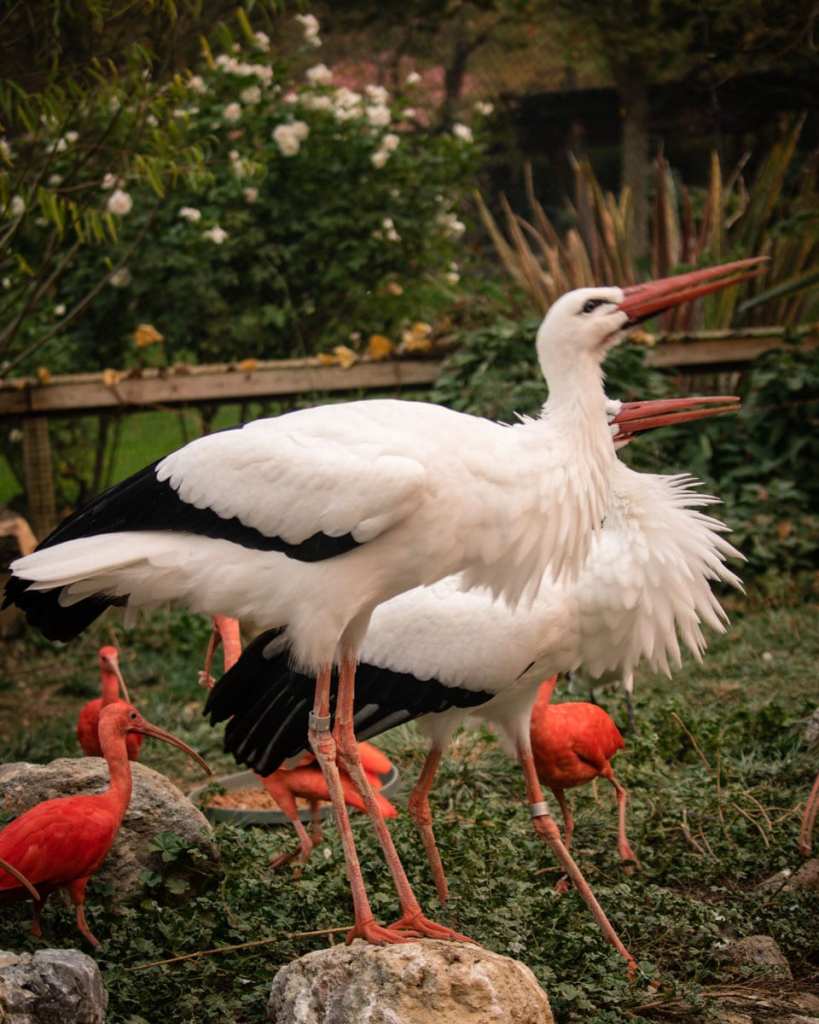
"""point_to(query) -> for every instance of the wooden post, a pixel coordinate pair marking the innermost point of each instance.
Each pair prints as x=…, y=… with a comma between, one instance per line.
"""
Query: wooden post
x=38, y=475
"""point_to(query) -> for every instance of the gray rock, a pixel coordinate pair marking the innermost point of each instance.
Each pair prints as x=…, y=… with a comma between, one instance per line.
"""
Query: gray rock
x=812, y=729
x=759, y=952
x=806, y=877
x=52, y=986
x=156, y=806
x=411, y=983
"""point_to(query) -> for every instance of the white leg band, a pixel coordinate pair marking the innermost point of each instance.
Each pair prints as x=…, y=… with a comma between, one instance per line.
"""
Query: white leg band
x=540, y=809
x=318, y=723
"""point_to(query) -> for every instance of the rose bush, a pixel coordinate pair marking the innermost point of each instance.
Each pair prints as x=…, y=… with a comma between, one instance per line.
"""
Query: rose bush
x=323, y=214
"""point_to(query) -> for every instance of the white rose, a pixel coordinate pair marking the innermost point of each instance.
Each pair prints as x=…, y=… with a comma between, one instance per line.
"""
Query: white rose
x=317, y=102
x=5, y=150
x=462, y=132
x=286, y=140
x=346, y=99
x=379, y=158
x=378, y=115
x=320, y=74
x=452, y=277
x=483, y=108
x=197, y=84
x=451, y=225
x=55, y=180
x=377, y=93
x=190, y=214
x=250, y=194
x=119, y=203
x=216, y=234
x=59, y=310
x=390, y=142
x=232, y=113
x=151, y=120
x=109, y=181
x=251, y=95
x=264, y=73
x=120, y=278
x=300, y=129
x=413, y=78
x=261, y=40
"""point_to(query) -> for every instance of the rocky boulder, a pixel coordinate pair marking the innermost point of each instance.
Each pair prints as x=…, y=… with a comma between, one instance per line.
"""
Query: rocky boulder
x=758, y=952
x=412, y=983
x=156, y=806
x=52, y=986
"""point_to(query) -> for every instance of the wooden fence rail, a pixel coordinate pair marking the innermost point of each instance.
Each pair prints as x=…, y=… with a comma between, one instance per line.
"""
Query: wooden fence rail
x=33, y=401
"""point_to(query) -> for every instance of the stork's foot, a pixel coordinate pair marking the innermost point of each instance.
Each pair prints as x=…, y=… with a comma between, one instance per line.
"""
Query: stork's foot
x=805, y=848
x=422, y=925
x=378, y=935
x=562, y=886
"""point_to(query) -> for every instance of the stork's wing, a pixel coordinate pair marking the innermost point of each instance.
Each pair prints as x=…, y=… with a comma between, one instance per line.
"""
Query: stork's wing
x=293, y=484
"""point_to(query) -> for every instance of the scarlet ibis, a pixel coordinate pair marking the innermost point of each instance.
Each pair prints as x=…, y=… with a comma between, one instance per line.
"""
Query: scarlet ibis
x=88, y=722
x=572, y=744
x=307, y=782
x=809, y=820
x=440, y=653
x=61, y=843
x=310, y=520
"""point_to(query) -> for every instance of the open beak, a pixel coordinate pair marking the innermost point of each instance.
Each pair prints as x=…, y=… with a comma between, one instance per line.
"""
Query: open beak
x=635, y=417
x=148, y=729
x=21, y=878
x=643, y=301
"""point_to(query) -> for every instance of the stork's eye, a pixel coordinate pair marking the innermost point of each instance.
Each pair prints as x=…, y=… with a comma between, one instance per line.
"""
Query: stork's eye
x=590, y=305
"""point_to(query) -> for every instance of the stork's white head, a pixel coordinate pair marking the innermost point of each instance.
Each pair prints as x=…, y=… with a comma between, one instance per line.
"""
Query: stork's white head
x=581, y=327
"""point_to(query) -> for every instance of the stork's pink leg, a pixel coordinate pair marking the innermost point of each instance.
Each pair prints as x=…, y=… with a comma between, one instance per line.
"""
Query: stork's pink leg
x=412, y=920
x=623, y=845
x=323, y=746
x=562, y=885
x=315, y=821
x=421, y=814
x=809, y=820
x=547, y=829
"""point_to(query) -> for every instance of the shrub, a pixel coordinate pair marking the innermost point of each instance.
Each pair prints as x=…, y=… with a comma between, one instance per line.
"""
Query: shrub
x=322, y=213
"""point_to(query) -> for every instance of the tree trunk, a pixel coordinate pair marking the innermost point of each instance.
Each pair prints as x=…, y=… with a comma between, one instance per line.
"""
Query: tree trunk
x=633, y=92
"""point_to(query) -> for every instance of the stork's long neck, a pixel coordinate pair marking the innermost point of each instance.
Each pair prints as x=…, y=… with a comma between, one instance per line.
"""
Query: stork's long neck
x=118, y=793
x=575, y=387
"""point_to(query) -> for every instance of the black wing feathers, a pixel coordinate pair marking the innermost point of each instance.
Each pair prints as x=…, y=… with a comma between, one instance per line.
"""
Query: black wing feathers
x=268, y=704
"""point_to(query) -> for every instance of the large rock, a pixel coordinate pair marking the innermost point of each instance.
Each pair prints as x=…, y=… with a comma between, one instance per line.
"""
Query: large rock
x=758, y=952
x=52, y=986
x=805, y=877
x=156, y=806
x=411, y=983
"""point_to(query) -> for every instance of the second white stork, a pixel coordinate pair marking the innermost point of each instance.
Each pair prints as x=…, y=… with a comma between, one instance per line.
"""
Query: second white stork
x=314, y=518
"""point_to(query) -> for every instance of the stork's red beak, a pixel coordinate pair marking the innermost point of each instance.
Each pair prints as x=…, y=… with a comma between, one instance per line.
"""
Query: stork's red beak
x=635, y=417
x=646, y=300
x=113, y=665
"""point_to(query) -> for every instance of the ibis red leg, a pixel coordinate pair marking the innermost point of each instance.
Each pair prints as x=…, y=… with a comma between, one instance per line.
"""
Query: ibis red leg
x=421, y=814
x=623, y=845
x=547, y=829
x=280, y=792
x=413, y=921
x=77, y=892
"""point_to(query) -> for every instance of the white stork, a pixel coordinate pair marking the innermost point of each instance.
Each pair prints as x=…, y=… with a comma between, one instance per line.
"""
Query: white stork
x=440, y=654
x=312, y=519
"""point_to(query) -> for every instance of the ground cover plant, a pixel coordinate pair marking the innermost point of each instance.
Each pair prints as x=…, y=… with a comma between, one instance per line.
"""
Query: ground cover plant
x=716, y=770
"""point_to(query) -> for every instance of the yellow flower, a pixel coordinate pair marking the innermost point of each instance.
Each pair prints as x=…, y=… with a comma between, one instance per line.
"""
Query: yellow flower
x=43, y=374
x=417, y=338
x=345, y=356
x=641, y=337
x=327, y=359
x=145, y=335
x=248, y=365
x=110, y=378
x=379, y=347
x=394, y=288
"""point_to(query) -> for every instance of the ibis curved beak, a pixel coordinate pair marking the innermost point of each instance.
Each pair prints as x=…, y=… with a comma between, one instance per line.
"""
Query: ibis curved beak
x=642, y=301
x=635, y=417
x=123, y=689
x=148, y=729
x=21, y=878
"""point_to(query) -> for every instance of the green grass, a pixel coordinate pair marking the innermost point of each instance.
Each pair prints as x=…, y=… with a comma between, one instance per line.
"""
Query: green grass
x=717, y=771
